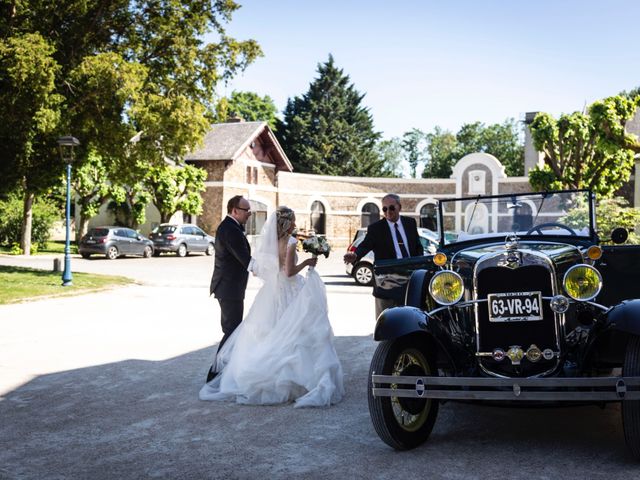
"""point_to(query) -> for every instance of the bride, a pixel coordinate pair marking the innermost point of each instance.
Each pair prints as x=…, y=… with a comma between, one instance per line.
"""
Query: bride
x=283, y=349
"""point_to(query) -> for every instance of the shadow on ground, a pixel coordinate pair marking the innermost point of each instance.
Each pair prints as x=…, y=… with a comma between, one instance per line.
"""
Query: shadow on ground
x=143, y=419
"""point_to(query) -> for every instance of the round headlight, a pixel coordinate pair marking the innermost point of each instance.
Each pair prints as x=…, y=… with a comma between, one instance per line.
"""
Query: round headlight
x=582, y=282
x=446, y=287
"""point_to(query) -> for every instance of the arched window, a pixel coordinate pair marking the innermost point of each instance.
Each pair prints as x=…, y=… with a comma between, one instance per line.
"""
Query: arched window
x=257, y=218
x=370, y=214
x=428, y=217
x=318, y=218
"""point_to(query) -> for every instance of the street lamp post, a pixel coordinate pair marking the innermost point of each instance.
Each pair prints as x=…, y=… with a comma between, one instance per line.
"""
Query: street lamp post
x=66, y=146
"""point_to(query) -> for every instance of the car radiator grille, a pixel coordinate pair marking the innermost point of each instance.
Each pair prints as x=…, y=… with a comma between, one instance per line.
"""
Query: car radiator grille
x=492, y=335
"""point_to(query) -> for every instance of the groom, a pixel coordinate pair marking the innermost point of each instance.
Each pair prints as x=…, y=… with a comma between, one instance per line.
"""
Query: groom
x=231, y=268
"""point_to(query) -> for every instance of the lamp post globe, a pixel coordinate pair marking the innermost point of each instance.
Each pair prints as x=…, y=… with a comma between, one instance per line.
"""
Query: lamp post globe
x=66, y=146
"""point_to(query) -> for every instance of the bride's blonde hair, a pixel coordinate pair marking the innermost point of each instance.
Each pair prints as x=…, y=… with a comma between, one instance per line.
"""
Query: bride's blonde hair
x=285, y=217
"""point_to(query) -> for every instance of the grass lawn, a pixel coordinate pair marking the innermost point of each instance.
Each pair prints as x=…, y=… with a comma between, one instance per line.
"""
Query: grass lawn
x=20, y=284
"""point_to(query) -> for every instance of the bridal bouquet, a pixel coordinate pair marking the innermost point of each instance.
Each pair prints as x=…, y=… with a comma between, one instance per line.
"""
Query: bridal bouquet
x=316, y=246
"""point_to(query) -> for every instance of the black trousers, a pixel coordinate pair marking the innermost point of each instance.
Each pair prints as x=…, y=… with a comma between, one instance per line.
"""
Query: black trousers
x=230, y=317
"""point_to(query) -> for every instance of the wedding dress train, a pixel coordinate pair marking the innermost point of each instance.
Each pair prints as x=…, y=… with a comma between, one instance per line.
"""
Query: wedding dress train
x=283, y=350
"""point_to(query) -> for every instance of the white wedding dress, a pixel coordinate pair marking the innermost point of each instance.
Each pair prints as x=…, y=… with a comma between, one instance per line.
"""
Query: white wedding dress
x=283, y=350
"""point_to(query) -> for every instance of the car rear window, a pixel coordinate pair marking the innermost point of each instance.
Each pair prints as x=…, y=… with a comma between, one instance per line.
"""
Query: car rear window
x=166, y=229
x=99, y=232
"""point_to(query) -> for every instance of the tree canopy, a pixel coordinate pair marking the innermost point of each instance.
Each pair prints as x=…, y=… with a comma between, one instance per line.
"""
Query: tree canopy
x=502, y=141
x=249, y=106
x=328, y=131
x=586, y=150
x=106, y=72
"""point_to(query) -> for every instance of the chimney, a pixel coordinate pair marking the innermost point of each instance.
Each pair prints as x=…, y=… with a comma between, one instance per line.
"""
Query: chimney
x=532, y=157
x=235, y=119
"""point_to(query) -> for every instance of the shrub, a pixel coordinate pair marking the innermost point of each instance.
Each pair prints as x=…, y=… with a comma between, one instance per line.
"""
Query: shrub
x=45, y=213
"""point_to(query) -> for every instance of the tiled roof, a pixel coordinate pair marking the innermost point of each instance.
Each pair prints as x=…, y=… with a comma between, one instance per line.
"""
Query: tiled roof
x=225, y=141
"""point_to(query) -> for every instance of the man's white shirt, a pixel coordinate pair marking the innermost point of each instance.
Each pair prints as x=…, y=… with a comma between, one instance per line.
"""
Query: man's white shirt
x=395, y=240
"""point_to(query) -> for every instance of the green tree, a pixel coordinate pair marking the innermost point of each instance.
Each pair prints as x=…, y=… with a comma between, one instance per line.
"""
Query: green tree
x=30, y=116
x=391, y=153
x=92, y=187
x=632, y=94
x=249, y=106
x=441, y=153
x=176, y=188
x=328, y=131
x=112, y=70
x=586, y=150
x=413, y=146
x=500, y=140
x=610, y=213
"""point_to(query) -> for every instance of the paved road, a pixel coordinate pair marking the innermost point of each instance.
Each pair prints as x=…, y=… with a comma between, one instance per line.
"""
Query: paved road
x=105, y=386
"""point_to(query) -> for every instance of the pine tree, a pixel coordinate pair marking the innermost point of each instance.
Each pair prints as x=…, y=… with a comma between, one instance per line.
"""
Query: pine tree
x=327, y=131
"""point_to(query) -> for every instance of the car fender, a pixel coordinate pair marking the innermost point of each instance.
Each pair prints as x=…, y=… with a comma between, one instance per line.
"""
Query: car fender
x=625, y=317
x=397, y=322
x=414, y=295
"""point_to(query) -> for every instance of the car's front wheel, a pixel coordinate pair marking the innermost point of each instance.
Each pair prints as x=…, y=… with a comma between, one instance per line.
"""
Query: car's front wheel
x=210, y=249
x=631, y=408
x=363, y=274
x=182, y=250
x=112, y=252
x=402, y=423
x=86, y=256
x=148, y=252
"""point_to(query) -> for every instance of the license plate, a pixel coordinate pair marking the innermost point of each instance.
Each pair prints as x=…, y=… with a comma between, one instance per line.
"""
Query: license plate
x=91, y=241
x=515, y=306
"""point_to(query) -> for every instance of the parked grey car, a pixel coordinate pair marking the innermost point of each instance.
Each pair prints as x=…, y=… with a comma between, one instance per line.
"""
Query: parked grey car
x=362, y=271
x=181, y=239
x=114, y=242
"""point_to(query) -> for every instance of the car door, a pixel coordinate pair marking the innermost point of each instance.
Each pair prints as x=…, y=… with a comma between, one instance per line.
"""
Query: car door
x=136, y=242
x=200, y=239
x=620, y=270
x=122, y=241
x=186, y=235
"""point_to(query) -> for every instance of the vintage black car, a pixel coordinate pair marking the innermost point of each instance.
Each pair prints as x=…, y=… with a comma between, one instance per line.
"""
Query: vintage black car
x=524, y=307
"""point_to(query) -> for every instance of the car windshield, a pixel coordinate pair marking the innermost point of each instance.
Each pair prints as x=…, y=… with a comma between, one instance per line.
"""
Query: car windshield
x=566, y=213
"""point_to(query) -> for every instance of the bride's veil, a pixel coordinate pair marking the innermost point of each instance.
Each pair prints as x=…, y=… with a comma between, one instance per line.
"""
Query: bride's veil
x=266, y=257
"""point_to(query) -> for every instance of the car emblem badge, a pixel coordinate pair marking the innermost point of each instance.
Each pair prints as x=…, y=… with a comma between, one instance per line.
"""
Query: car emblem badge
x=515, y=354
x=547, y=354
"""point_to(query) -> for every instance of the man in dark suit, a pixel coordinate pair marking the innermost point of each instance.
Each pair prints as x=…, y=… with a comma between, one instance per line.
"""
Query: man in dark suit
x=231, y=268
x=392, y=237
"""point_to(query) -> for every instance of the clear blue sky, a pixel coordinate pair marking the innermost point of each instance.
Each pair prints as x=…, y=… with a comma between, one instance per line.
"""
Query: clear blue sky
x=446, y=63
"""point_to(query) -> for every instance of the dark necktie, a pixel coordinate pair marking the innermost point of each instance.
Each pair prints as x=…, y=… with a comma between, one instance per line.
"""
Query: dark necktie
x=403, y=248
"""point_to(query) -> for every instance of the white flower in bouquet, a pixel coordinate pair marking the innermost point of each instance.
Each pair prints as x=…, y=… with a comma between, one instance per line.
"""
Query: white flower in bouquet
x=316, y=246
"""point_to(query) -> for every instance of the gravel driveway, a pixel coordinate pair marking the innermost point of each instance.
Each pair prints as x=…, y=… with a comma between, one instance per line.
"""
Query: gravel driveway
x=105, y=386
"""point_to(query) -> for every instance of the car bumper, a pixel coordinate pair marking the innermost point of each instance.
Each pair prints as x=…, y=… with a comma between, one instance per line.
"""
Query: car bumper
x=165, y=247
x=90, y=249
x=574, y=389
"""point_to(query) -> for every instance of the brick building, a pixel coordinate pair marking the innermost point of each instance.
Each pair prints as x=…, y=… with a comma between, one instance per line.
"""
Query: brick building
x=244, y=158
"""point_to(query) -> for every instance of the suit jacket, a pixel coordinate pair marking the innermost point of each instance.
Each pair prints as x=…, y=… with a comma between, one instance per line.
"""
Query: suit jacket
x=233, y=254
x=379, y=239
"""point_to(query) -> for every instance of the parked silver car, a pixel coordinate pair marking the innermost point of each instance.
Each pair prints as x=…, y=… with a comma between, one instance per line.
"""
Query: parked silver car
x=114, y=242
x=181, y=239
x=362, y=272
